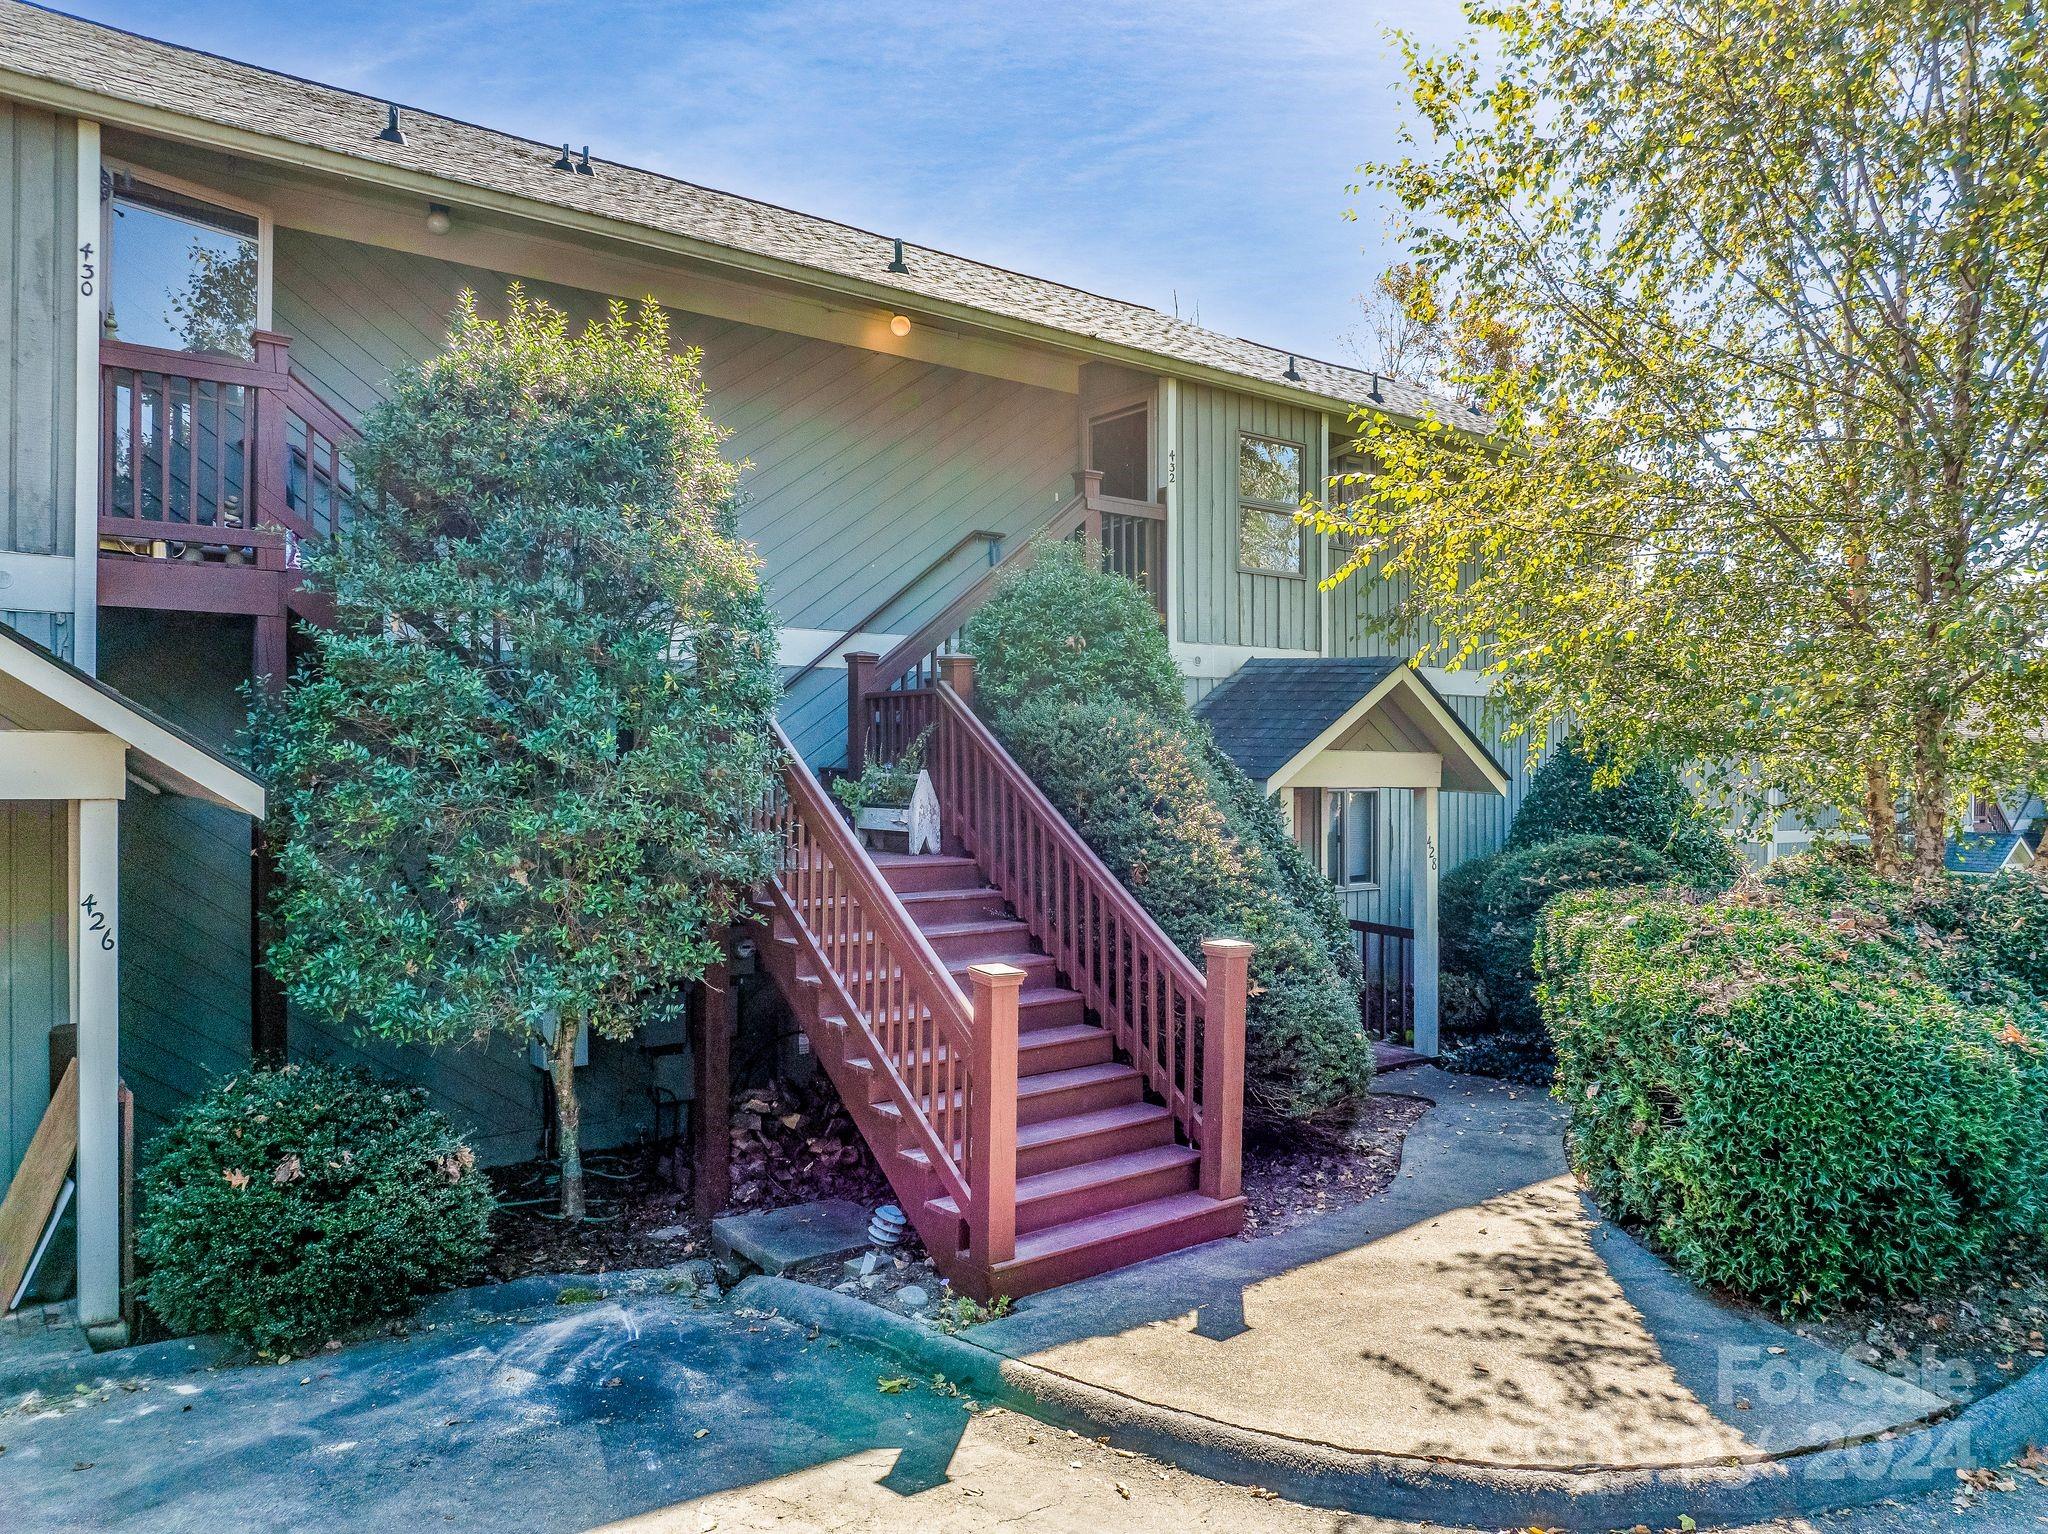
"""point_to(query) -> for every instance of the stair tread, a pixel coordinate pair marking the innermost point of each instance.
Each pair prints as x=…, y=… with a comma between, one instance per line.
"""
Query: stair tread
x=1085, y=1174
x=1073, y=1076
x=921, y=860
x=954, y=892
x=1075, y=1126
x=989, y=924
x=1093, y=1229
x=1037, y=1038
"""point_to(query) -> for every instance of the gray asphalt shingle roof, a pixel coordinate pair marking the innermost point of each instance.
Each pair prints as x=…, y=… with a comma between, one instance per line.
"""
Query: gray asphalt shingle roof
x=1268, y=709
x=107, y=62
x=1979, y=852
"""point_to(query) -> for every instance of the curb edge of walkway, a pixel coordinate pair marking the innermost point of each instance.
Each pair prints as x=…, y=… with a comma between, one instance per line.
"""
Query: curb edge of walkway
x=1915, y=1461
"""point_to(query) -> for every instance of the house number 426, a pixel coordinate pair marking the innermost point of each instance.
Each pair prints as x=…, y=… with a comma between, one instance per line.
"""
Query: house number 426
x=96, y=922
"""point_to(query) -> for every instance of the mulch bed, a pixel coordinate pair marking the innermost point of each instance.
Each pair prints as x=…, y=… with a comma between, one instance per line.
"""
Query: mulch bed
x=796, y=1145
x=790, y=1145
x=1288, y=1182
x=1963, y=1343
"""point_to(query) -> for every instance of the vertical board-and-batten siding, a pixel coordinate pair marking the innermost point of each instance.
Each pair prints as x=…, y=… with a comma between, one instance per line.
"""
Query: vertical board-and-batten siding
x=39, y=349
x=862, y=467
x=34, y=966
x=1220, y=604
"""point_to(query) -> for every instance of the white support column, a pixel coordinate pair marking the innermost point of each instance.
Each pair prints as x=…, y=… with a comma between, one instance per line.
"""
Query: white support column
x=1169, y=415
x=1422, y=861
x=96, y=850
x=91, y=276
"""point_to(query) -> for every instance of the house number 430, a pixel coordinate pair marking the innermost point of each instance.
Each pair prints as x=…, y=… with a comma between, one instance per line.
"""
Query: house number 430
x=88, y=272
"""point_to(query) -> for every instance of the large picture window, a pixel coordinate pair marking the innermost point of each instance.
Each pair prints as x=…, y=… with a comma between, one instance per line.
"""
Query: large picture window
x=182, y=273
x=1269, y=540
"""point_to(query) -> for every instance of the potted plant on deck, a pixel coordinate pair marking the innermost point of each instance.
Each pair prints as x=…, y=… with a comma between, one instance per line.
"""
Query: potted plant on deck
x=892, y=804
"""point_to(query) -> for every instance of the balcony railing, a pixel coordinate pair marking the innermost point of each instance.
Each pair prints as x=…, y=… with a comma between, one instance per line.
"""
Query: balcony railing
x=213, y=471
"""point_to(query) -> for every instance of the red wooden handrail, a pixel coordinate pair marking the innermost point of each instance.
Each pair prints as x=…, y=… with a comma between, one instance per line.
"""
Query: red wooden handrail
x=949, y=1067
x=1185, y=1037
x=915, y=659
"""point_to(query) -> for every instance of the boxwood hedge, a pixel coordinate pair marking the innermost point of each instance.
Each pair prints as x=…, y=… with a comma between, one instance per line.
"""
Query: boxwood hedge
x=1792, y=1106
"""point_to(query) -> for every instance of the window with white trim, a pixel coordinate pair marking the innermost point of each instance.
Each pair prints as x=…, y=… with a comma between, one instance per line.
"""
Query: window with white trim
x=1351, y=851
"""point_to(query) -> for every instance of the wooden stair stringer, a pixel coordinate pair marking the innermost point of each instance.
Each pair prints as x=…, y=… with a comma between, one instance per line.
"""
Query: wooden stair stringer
x=797, y=971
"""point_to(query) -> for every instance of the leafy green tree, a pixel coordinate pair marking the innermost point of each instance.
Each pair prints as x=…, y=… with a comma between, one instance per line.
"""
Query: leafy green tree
x=513, y=787
x=1761, y=481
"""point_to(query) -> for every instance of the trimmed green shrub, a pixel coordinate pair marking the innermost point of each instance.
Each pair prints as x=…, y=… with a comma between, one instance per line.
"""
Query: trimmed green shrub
x=1650, y=805
x=1983, y=937
x=1460, y=918
x=1062, y=628
x=1142, y=792
x=286, y=1205
x=1794, y=1110
x=1518, y=884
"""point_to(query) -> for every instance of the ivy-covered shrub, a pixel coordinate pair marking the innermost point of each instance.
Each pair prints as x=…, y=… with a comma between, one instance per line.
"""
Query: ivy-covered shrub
x=1651, y=805
x=1792, y=1108
x=1518, y=883
x=1062, y=628
x=285, y=1205
x=1142, y=791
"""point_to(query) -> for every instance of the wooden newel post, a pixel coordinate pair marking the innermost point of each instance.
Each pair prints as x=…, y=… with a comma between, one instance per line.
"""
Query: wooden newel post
x=992, y=1127
x=1088, y=486
x=859, y=668
x=957, y=672
x=1229, y=976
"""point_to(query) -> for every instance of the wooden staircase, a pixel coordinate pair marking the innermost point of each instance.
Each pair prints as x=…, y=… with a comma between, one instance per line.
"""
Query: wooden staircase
x=1052, y=1089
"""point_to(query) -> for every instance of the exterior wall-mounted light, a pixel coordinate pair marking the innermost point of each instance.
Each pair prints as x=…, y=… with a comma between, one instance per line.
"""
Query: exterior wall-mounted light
x=437, y=218
x=900, y=324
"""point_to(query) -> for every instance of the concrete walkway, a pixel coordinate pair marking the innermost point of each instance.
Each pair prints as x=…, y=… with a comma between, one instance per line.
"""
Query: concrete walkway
x=1478, y=1312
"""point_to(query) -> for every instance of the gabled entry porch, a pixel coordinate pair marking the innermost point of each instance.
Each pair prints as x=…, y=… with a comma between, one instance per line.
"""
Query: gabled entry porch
x=69, y=749
x=1360, y=750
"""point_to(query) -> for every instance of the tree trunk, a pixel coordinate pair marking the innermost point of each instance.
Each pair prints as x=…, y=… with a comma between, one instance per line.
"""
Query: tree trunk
x=1881, y=814
x=1930, y=791
x=568, y=1116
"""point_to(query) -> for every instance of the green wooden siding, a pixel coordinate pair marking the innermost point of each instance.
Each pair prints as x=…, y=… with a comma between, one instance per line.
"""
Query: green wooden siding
x=34, y=966
x=185, y=942
x=1220, y=604
x=862, y=467
x=39, y=342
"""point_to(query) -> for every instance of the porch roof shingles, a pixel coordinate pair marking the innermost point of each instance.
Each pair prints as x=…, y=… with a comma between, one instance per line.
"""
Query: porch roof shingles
x=105, y=61
x=1980, y=852
x=1265, y=712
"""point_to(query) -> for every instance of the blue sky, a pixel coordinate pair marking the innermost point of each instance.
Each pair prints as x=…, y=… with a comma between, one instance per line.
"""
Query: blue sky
x=1160, y=152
